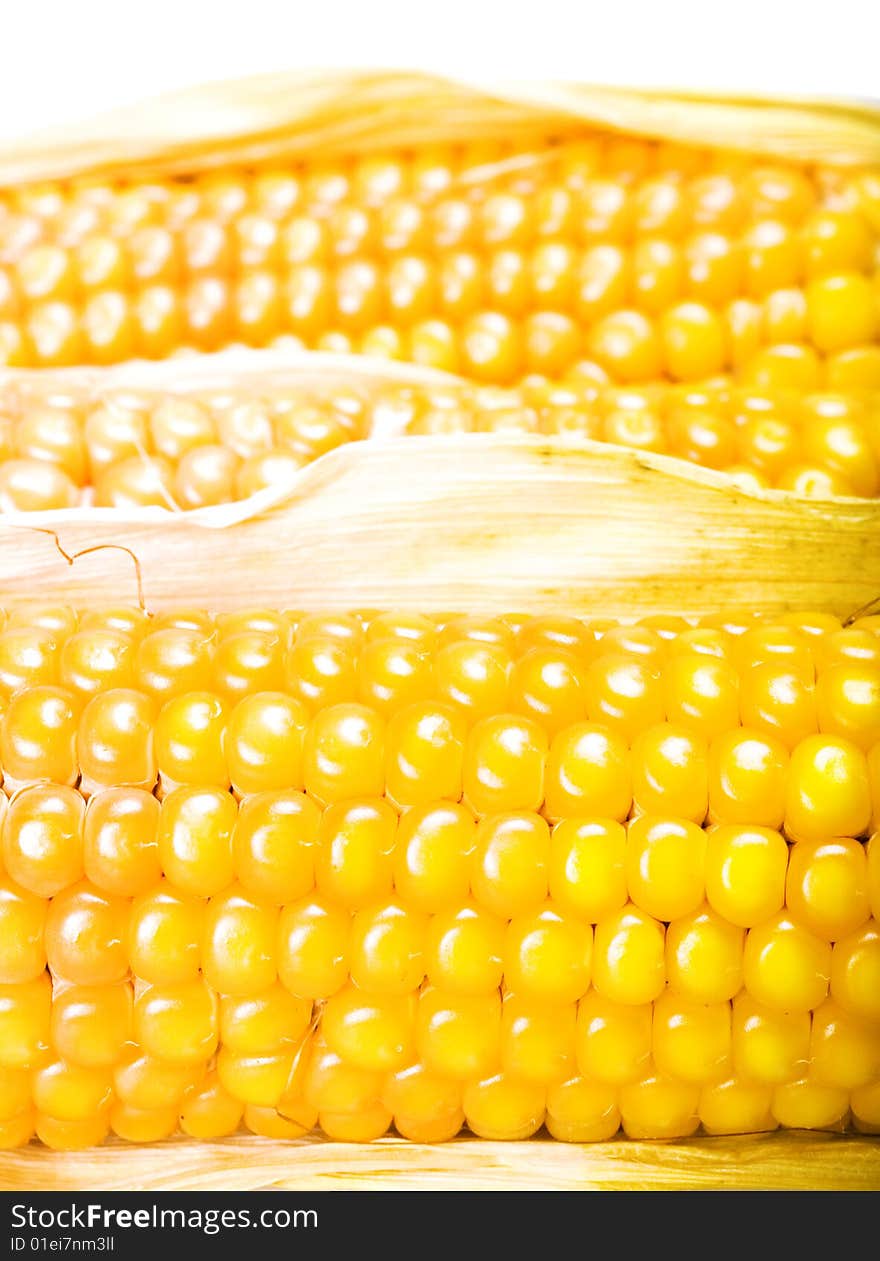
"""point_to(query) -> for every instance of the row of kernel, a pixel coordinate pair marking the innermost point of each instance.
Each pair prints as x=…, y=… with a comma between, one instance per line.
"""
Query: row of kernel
x=695, y=692
x=281, y=846
x=258, y=1039
x=529, y=664
x=149, y=270
x=828, y=786
x=691, y=341
x=542, y=667
x=555, y=670
x=498, y=1108
x=666, y=1069
x=719, y=185
x=315, y=900
x=583, y=270
x=706, y=679
x=158, y=232
x=484, y=195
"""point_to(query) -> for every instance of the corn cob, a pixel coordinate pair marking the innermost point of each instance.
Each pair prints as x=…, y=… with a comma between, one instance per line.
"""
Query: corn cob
x=65, y=444
x=583, y=251
x=351, y=871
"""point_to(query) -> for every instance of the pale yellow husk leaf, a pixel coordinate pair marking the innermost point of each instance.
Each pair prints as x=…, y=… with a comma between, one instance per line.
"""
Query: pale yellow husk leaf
x=782, y=1161
x=270, y=118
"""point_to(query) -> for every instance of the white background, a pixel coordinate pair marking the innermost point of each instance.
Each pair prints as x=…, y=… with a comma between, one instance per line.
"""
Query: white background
x=68, y=59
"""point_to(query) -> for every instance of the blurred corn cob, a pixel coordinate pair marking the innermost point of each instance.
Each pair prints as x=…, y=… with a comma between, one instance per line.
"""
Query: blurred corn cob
x=581, y=232
x=299, y=870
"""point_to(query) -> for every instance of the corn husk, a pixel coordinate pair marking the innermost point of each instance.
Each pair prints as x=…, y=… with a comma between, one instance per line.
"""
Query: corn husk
x=790, y=1161
x=328, y=113
x=484, y=522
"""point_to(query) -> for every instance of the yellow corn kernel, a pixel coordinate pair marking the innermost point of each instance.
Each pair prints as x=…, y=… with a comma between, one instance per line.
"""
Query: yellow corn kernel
x=115, y=741
x=865, y=1105
x=464, y=949
x=25, y=1022
x=537, y=1039
x=344, y=754
x=613, y=1039
x=745, y=873
x=547, y=954
x=736, y=1106
x=769, y=1046
x=670, y=772
x=810, y=1105
x=120, y=845
x=691, y=1041
x=748, y=774
x=844, y=1050
x=504, y=765
x=704, y=956
x=459, y=1035
x=14, y=1093
x=177, y=1022
x=432, y=859
x=138, y=1125
x=22, y=934
x=659, y=1107
x=331, y=1085
x=587, y=872
x=702, y=694
x=62, y=1135
x=588, y=773
x=312, y=948
x=426, y=1107
x=264, y=741
x=91, y=1024
x=164, y=936
x=386, y=948
x=239, y=943
x=42, y=839
x=504, y=1108
x=424, y=754
x=582, y=1111
x=509, y=867
x=256, y=1080
x=267, y=1021
x=786, y=966
x=549, y=685
x=363, y=1126
x=273, y=846
x=855, y=968
x=269, y=1123
x=628, y=957
x=195, y=839
x=209, y=1111
x=38, y=737
x=828, y=790
x=85, y=936
x=826, y=888
x=146, y=1084
x=70, y=1092
x=665, y=866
